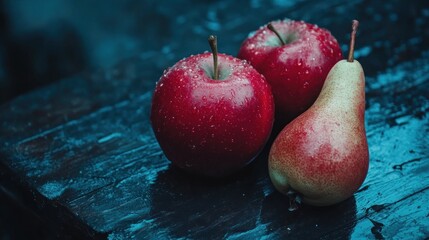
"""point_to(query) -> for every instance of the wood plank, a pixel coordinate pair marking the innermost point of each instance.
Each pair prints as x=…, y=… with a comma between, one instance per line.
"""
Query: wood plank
x=48, y=109
x=85, y=146
x=405, y=219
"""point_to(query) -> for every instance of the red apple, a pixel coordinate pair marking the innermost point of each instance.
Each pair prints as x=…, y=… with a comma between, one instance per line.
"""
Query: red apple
x=295, y=68
x=212, y=125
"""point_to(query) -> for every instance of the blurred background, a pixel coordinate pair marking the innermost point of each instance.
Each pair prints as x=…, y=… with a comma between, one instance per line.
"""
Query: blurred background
x=43, y=41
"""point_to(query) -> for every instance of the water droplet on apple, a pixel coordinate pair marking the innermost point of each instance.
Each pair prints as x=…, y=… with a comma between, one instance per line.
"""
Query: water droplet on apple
x=305, y=84
x=299, y=63
x=161, y=84
x=307, y=72
x=313, y=59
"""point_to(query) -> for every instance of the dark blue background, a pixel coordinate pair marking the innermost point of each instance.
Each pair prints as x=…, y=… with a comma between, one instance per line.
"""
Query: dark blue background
x=45, y=41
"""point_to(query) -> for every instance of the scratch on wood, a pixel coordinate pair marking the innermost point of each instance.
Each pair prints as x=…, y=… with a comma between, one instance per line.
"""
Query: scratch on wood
x=400, y=166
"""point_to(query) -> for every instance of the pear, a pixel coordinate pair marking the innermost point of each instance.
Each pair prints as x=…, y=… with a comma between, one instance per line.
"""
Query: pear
x=322, y=155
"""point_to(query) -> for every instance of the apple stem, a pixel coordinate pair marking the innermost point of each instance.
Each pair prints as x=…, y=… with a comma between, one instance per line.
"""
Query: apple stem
x=355, y=24
x=271, y=27
x=213, y=46
x=294, y=200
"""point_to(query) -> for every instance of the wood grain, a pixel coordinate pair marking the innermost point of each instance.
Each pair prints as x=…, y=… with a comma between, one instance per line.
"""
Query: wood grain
x=81, y=152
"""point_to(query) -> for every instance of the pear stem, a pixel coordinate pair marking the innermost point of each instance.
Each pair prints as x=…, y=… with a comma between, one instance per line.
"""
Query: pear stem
x=294, y=200
x=355, y=24
x=213, y=45
x=271, y=27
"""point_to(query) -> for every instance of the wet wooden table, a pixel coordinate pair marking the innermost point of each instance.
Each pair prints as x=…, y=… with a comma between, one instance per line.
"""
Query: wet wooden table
x=81, y=156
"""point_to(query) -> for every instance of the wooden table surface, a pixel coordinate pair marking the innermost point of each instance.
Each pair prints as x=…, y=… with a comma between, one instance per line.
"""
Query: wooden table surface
x=81, y=155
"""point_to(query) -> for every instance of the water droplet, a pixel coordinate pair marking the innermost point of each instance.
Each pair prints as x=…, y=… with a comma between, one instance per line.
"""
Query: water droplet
x=305, y=85
x=307, y=72
x=299, y=63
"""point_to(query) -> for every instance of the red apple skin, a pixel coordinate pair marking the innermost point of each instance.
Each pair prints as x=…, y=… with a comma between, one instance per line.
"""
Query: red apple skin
x=297, y=70
x=212, y=127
